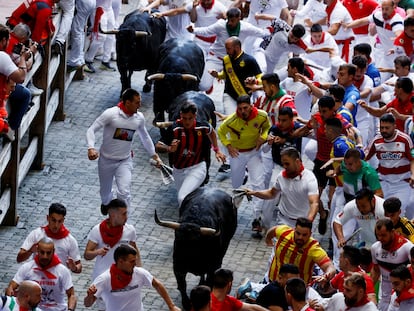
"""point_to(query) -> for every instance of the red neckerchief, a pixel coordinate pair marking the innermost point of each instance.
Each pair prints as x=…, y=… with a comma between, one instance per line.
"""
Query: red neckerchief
x=293, y=175
x=119, y=279
x=24, y=309
x=358, y=83
x=396, y=243
x=54, y=262
x=62, y=233
x=253, y=114
x=405, y=295
x=110, y=235
x=387, y=25
x=360, y=303
x=329, y=9
x=207, y=7
x=300, y=43
x=322, y=39
x=121, y=106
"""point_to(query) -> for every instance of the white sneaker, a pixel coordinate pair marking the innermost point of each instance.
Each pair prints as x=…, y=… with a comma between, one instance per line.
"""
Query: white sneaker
x=34, y=90
x=10, y=134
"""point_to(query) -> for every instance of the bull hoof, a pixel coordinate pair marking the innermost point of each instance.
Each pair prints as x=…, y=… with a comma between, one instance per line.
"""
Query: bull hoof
x=146, y=88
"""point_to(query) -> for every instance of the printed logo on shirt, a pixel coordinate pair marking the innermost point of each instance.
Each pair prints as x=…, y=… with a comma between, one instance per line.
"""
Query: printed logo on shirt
x=125, y=289
x=124, y=134
x=391, y=155
x=242, y=64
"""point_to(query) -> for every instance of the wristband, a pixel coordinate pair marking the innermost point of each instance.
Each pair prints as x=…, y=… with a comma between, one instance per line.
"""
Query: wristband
x=215, y=149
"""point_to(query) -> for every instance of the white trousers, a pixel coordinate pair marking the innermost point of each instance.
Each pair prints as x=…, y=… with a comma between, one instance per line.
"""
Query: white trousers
x=68, y=8
x=401, y=190
x=189, y=179
x=84, y=9
x=107, y=41
x=212, y=62
x=253, y=162
x=121, y=171
x=337, y=206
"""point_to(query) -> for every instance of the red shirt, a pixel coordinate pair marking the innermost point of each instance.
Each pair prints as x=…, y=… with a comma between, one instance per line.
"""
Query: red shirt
x=228, y=304
x=359, y=9
x=406, y=43
x=402, y=107
x=324, y=145
x=338, y=281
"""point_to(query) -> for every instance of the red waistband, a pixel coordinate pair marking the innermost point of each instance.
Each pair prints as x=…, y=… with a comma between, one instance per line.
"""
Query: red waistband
x=345, y=41
x=246, y=150
x=206, y=39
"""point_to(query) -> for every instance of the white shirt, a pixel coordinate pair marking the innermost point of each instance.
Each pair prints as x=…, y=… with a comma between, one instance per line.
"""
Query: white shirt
x=386, y=36
x=7, y=67
x=337, y=303
x=11, y=304
x=301, y=95
x=270, y=7
x=295, y=192
x=64, y=248
x=118, y=133
x=219, y=29
x=405, y=305
x=125, y=299
x=341, y=15
x=54, y=284
x=362, y=114
x=321, y=59
x=366, y=222
x=209, y=17
x=313, y=9
x=104, y=262
x=176, y=25
x=388, y=261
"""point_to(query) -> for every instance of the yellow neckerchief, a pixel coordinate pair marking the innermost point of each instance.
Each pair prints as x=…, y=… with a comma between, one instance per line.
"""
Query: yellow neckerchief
x=234, y=80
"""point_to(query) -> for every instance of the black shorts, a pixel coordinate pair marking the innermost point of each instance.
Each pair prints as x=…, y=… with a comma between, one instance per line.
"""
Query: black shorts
x=320, y=175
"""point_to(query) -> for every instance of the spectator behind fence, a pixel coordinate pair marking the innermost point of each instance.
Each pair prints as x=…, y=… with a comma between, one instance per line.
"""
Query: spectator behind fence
x=9, y=71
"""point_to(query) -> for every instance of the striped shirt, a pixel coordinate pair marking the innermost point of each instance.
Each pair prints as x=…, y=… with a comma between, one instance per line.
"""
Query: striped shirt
x=394, y=156
x=273, y=105
x=286, y=251
x=194, y=144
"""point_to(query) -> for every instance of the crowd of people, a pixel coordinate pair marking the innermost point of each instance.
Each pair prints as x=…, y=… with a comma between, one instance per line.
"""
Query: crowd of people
x=330, y=79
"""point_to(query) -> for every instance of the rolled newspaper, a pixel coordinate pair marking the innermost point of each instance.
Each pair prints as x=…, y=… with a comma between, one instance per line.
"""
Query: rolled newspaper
x=166, y=172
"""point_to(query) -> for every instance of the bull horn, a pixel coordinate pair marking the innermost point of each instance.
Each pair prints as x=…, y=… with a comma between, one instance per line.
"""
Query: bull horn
x=168, y=224
x=156, y=76
x=108, y=32
x=187, y=76
x=208, y=231
x=142, y=34
x=163, y=125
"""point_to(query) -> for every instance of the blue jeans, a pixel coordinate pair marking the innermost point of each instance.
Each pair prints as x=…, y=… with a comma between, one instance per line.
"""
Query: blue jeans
x=19, y=101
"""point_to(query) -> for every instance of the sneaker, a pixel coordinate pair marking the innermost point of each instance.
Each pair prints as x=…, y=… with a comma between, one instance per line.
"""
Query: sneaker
x=107, y=66
x=89, y=67
x=257, y=225
x=35, y=91
x=322, y=224
x=244, y=288
x=104, y=209
x=224, y=168
x=57, y=48
x=252, y=296
x=10, y=134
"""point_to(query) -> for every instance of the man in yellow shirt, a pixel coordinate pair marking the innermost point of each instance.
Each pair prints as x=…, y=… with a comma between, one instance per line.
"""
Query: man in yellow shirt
x=242, y=133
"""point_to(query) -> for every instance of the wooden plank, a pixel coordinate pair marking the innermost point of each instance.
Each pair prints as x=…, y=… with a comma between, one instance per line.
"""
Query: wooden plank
x=5, y=156
x=29, y=116
x=35, y=67
x=4, y=204
x=53, y=68
x=27, y=160
x=51, y=107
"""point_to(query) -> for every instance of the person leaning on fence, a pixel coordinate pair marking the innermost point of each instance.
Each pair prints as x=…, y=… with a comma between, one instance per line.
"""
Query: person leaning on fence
x=9, y=71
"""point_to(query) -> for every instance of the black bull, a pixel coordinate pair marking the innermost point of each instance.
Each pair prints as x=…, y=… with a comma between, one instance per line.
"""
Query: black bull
x=137, y=43
x=207, y=223
x=180, y=67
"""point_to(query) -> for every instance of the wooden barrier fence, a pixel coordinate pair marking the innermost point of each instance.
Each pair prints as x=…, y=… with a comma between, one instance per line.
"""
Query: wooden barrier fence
x=27, y=150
